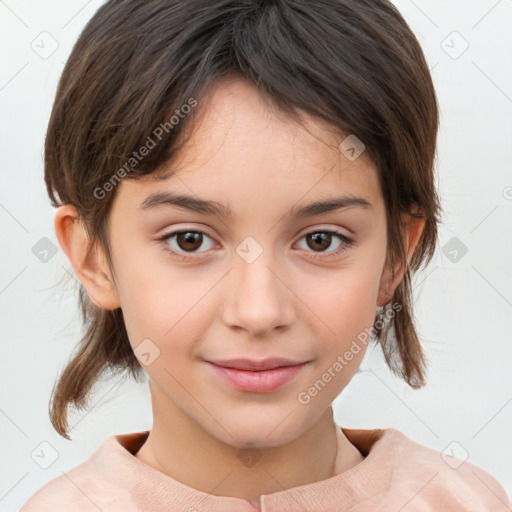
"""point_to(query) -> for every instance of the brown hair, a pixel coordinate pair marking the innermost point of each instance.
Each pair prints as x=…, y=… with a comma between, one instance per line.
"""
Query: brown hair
x=356, y=65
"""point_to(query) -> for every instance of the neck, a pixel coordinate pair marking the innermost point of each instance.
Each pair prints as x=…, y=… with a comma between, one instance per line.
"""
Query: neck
x=180, y=448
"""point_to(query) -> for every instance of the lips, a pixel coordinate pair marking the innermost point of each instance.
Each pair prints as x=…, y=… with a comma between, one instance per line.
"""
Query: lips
x=253, y=365
x=257, y=377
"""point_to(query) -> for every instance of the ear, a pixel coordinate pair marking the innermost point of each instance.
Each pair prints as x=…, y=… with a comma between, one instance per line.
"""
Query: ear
x=391, y=277
x=89, y=263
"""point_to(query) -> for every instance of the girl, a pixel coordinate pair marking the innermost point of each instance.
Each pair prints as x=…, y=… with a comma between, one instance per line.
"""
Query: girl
x=291, y=145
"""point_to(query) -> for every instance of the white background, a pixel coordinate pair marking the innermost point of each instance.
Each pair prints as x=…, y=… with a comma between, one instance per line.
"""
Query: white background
x=463, y=307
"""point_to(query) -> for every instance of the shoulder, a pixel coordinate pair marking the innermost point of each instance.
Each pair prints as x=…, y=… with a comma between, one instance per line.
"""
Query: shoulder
x=441, y=478
x=76, y=490
x=95, y=484
x=59, y=493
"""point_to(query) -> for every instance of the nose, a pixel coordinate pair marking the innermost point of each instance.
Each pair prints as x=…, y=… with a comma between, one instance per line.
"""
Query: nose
x=258, y=298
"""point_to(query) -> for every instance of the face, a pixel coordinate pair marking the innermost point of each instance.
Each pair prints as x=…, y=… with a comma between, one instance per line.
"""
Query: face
x=254, y=280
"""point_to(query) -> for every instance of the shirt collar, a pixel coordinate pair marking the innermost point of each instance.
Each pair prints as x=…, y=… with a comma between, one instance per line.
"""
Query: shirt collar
x=153, y=490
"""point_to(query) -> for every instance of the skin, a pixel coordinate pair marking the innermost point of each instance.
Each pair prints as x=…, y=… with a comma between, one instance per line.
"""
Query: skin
x=289, y=302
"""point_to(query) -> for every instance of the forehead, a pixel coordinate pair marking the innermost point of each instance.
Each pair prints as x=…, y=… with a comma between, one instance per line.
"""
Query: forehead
x=240, y=149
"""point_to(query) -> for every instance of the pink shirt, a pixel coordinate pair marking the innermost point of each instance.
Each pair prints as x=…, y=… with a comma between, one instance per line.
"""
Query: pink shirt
x=397, y=474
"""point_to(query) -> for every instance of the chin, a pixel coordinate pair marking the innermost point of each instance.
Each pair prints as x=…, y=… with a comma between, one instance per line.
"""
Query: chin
x=260, y=430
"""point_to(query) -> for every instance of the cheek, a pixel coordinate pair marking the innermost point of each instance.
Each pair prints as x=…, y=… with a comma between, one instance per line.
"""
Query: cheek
x=164, y=304
x=346, y=307
x=345, y=300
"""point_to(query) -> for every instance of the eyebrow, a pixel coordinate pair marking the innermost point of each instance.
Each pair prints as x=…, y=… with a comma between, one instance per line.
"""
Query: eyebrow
x=205, y=207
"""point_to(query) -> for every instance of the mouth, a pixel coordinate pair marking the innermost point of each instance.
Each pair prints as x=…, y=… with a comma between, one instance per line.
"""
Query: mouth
x=257, y=377
x=254, y=365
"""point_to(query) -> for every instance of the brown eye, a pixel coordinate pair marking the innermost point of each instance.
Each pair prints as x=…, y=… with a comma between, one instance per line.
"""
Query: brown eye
x=189, y=240
x=319, y=241
x=186, y=242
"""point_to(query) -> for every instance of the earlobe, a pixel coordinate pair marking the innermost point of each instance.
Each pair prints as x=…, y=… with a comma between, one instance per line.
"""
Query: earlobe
x=85, y=259
x=391, y=279
x=385, y=292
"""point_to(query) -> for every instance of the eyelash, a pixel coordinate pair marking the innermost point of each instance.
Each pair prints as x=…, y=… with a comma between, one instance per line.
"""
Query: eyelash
x=347, y=242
